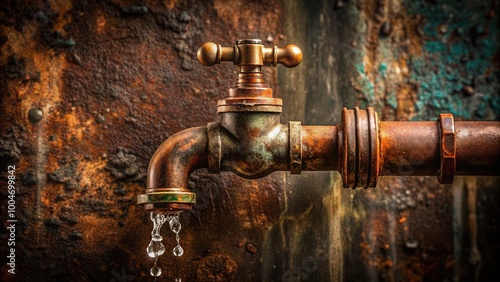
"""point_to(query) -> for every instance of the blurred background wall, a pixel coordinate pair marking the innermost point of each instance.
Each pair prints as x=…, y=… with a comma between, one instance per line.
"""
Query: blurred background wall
x=89, y=90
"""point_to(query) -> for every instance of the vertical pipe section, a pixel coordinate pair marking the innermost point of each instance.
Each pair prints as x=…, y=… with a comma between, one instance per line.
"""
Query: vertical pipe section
x=176, y=158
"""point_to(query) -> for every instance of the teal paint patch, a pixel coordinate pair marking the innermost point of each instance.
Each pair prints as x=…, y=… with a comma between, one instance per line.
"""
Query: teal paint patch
x=459, y=45
x=366, y=85
x=435, y=47
x=382, y=69
x=392, y=100
x=361, y=69
x=495, y=104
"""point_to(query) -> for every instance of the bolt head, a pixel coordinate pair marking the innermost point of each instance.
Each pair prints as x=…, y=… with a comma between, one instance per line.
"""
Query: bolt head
x=35, y=115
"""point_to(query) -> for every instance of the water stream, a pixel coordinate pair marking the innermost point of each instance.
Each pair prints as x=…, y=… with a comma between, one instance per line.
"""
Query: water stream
x=156, y=248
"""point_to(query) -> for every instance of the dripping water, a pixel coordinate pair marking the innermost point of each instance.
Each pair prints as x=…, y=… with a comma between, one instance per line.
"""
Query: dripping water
x=175, y=226
x=156, y=248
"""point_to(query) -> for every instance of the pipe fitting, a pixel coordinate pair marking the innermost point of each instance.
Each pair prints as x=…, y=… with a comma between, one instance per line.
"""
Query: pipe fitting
x=273, y=146
x=360, y=148
x=295, y=141
x=448, y=149
x=252, y=144
x=168, y=199
x=170, y=167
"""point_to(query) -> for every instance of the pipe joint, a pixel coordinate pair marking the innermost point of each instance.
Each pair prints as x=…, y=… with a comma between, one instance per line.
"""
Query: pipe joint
x=169, y=169
x=250, y=144
x=360, y=153
x=295, y=141
x=448, y=149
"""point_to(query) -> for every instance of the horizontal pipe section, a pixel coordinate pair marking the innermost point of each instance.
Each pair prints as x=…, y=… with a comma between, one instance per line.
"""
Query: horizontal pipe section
x=478, y=147
x=409, y=148
x=254, y=144
x=320, y=148
x=413, y=148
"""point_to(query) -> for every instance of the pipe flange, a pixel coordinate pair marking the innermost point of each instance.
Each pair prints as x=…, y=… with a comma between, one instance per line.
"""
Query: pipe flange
x=360, y=154
x=171, y=199
x=249, y=104
x=374, y=147
x=447, y=168
x=295, y=133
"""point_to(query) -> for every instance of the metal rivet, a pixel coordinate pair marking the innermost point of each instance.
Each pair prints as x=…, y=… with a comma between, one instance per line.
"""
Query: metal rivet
x=35, y=115
x=386, y=29
x=468, y=90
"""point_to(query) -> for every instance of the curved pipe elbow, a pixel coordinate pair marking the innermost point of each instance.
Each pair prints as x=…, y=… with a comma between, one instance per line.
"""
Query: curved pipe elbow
x=176, y=158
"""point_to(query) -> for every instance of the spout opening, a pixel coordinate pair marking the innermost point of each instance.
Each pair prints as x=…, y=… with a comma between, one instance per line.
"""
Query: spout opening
x=170, y=200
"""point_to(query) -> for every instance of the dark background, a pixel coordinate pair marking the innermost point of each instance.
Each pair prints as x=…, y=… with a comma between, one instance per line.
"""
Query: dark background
x=113, y=79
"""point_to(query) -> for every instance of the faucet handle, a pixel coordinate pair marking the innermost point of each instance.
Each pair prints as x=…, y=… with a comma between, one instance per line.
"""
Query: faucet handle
x=249, y=52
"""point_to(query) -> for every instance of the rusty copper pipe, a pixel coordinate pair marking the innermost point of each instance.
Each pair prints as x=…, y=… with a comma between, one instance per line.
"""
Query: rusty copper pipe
x=255, y=144
x=320, y=148
x=252, y=145
x=413, y=148
x=170, y=167
x=250, y=141
x=176, y=158
x=444, y=148
x=409, y=148
x=478, y=148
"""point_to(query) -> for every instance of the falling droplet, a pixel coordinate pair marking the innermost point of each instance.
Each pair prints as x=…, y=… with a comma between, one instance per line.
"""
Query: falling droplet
x=178, y=251
x=155, y=248
x=155, y=271
x=175, y=224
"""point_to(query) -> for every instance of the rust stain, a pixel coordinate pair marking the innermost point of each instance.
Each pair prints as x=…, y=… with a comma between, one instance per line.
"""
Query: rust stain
x=170, y=4
x=100, y=23
x=63, y=7
x=49, y=66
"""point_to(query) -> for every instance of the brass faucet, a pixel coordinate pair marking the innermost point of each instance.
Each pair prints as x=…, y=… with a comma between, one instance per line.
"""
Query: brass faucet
x=250, y=141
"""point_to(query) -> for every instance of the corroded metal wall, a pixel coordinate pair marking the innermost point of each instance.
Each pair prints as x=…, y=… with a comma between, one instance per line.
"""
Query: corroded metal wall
x=90, y=89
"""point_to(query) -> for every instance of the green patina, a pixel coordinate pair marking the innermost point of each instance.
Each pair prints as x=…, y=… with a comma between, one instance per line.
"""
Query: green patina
x=172, y=198
x=459, y=46
x=366, y=86
x=382, y=69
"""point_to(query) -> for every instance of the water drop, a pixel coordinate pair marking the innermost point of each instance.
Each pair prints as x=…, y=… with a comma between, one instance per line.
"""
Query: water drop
x=178, y=251
x=155, y=248
x=155, y=271
x=175, y=224
x=178, y=280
